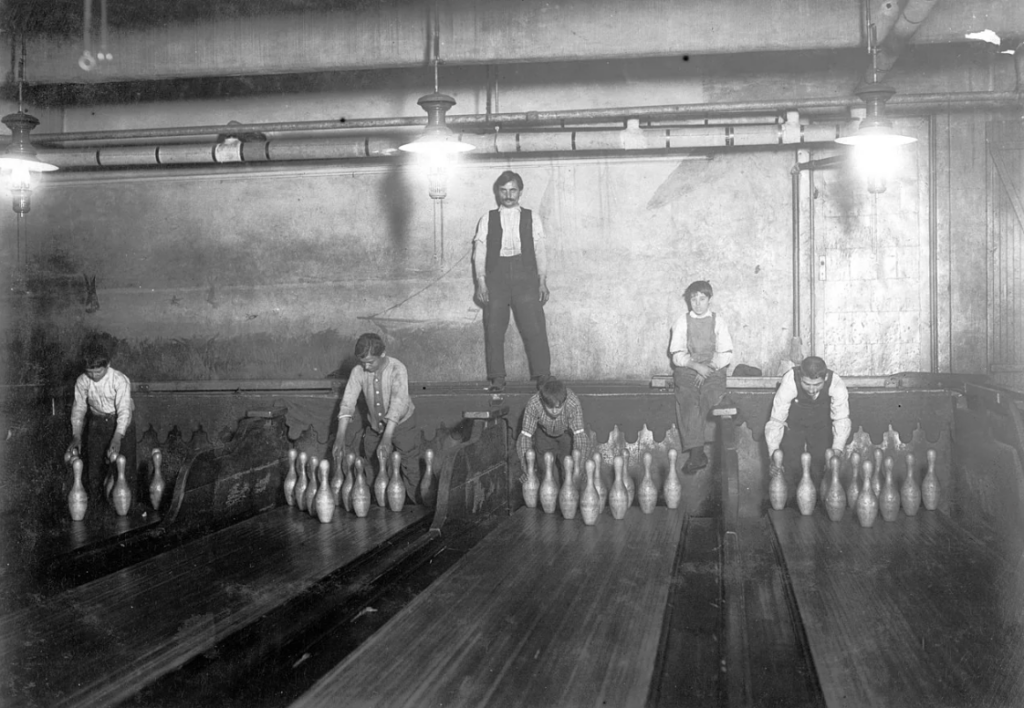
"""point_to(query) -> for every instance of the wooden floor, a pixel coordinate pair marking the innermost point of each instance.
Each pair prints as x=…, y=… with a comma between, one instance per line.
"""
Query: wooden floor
x=914, y=612
x=543, y=612
x=102, y=641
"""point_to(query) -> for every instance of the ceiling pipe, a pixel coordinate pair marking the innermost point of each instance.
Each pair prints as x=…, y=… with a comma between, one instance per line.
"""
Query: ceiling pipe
x=633, y=138
x=915, y=12
x=909, y=102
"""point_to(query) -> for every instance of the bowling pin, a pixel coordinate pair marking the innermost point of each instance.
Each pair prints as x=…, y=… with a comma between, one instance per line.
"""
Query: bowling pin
x=889, y=499
x=577, y=467
x=930, y=485
x=428, y=494
x=290, y=478
x=313, y=486
x=110, y=479
x=590, y=505
x=531, y=485
x=876, y=481
x=548, y=487
x=826, y=476
x=568, y=495
x=867, y=503
x=910, y=493
x=380, y=484
x=835, y=498
x=853, y=491
x=627, y=480
x=338, y=478
x=568, y=469
x=301, y=482
x=647, y=492
x=618, y=498
x=121, y=494
x=805, y=494
x=78, y=499
x=599, y=485
x=396, y=485
x=350, y=479
x=672, y=488
x=778, y=492
x=158, y=484
x=360, y=491
x=323, y=502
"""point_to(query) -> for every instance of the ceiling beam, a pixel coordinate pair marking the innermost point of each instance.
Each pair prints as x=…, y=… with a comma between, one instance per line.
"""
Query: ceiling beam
x=394, y=34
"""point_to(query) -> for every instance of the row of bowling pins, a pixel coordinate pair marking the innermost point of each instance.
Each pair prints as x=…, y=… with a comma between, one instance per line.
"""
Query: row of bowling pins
x=591, y=500
x=868, y=499
x=310, y=486
x=115, y=486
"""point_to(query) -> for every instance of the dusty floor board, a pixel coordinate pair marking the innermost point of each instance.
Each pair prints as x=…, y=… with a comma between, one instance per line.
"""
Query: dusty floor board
x=542, y=612
x=913, y=612
x=99, y=642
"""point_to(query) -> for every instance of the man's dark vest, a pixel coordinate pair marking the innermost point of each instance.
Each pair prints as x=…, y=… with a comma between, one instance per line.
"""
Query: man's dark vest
x=802, y=397
x=525, y=239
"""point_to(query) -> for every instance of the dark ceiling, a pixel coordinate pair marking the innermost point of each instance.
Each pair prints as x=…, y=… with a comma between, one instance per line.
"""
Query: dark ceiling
x=64, y=18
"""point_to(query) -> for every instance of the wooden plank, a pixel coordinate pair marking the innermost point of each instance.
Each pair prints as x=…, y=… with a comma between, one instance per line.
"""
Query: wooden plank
x=914, y=612
x=100, y=642
x=542, y=612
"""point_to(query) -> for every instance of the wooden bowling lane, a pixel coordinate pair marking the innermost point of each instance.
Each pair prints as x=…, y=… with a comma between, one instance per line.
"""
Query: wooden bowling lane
x=100, y=642
x=914, y=612
x=543, y=611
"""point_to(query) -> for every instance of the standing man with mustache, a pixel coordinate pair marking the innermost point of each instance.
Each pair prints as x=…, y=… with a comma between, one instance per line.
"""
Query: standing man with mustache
x=510, y=270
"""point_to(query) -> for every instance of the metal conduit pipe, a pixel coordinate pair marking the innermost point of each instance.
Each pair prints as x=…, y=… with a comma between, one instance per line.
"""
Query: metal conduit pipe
x=633, y=138
x=892, y=45
x=910, y=102
x=795, y=198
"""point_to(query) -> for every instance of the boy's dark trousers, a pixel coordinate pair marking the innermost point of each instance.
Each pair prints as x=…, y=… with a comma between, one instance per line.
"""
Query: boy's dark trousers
x=694, y=402
x=406, y=440
x=560, y=446
x=99, y=429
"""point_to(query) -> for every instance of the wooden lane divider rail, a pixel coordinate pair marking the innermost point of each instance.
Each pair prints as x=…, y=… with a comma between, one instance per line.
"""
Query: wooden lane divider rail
x=541, y=612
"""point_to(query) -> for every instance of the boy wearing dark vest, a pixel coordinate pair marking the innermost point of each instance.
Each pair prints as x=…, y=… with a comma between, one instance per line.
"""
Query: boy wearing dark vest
x=812, y=408
x=511, y=275
x=701, y=349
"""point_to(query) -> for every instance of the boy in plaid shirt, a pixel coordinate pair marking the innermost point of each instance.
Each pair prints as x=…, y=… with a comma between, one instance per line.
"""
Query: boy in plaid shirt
x=553, y=421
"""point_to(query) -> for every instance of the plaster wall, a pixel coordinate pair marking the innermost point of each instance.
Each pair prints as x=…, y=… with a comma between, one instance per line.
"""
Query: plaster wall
x=868, y=268
x=241, y=253
x=363, y=250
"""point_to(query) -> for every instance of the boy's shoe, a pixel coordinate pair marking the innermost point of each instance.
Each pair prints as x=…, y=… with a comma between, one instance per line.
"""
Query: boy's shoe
x=697, y=461
x=497, y=385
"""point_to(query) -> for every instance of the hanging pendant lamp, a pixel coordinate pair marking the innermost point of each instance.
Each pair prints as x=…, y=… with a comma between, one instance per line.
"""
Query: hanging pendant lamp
x=19, y=162
x=875, y=129
x=437, y=139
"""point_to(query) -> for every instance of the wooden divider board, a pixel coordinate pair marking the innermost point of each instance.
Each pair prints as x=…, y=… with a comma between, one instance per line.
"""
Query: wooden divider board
x=914, y=612
x=543, y=611
x=100, y=642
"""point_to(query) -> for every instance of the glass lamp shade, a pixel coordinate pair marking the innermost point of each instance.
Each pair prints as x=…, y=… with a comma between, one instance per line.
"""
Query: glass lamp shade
x=437, y=138
x=20, y=153
x=876, y=128
x=876, y=131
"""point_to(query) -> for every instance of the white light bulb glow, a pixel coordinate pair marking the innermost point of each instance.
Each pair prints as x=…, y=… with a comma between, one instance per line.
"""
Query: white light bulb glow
x=878, y=163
